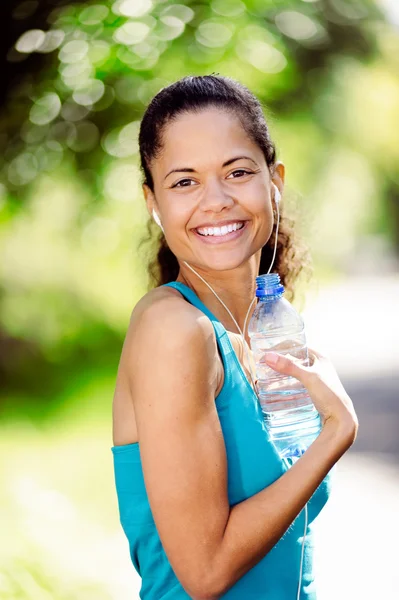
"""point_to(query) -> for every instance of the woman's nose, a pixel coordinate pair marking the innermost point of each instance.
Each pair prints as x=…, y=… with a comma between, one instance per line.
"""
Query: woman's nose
x=215, y=197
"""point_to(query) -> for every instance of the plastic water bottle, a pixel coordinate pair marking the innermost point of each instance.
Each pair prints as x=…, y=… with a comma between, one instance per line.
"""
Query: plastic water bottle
x=290, y=415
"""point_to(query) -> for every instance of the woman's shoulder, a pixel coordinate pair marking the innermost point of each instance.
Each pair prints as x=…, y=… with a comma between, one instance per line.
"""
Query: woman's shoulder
x=165, y=328
x=164, y=310
x=166, y=337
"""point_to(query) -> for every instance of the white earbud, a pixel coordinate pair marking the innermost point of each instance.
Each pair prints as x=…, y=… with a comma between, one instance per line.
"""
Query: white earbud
x=157, y=219
x=277, y=195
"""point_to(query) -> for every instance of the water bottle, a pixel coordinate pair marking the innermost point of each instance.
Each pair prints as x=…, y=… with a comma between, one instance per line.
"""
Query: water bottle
x=290, y=415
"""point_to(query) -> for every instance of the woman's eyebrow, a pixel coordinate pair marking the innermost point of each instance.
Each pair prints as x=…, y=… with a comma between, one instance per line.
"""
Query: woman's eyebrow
x=225, y=164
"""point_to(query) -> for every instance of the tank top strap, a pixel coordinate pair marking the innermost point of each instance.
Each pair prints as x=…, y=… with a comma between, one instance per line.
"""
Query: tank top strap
x=220, y=331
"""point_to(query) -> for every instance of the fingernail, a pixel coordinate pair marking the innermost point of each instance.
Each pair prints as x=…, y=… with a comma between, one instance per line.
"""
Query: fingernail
x=271, y=357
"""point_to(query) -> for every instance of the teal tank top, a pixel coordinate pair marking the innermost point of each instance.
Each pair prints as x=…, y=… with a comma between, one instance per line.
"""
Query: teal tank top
x=253, y=464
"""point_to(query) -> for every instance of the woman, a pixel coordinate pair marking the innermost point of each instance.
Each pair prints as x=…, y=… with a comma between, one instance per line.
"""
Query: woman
x=208, y=506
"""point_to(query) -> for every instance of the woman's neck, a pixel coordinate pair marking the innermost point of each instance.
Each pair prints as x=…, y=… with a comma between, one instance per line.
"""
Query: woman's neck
x=236, y=288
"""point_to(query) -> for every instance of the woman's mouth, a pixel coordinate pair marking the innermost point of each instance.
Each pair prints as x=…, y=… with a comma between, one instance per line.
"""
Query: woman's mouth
x=216, y=235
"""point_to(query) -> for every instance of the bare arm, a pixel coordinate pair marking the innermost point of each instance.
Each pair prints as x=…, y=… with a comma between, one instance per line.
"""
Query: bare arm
x=171, y=356
x=256, y=524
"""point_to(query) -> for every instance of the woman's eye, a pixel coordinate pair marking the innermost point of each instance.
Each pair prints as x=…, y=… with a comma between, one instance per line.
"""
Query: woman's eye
x=182, y=181
x=241, y=171
x=187, y=182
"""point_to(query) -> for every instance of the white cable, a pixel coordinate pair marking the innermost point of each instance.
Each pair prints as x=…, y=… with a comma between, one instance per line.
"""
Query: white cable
x=237, y=325
x=302, y=553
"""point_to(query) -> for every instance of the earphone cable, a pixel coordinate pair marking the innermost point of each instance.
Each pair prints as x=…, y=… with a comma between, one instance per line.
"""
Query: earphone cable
x=302, y=553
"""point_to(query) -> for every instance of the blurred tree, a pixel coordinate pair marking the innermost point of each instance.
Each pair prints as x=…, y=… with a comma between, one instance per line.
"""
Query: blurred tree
x=17, y=18
x=106, y=59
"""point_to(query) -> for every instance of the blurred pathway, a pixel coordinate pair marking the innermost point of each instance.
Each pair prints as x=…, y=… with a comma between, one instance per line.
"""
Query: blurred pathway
x=357, y=323
x=356, y=533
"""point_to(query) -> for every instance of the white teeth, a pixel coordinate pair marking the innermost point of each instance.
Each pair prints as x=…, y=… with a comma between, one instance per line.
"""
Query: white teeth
x=220, y=231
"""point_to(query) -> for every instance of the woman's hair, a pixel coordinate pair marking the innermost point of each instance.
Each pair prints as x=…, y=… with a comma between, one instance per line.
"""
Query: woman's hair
x=191, y=94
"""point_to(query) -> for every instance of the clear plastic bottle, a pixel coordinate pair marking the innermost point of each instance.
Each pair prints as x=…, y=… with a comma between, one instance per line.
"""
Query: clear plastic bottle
x=290, y=415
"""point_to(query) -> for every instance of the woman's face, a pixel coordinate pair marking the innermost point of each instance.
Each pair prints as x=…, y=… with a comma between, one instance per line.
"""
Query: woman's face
x=209, y=175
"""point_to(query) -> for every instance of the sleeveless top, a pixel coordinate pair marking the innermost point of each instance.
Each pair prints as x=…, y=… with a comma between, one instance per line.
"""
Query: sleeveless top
x=253, y=463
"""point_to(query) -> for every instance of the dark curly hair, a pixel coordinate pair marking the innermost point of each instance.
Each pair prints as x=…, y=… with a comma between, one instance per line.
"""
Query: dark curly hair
x=193, y=93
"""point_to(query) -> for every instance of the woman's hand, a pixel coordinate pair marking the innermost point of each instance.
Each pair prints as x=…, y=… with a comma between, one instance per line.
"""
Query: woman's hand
x=324, y=386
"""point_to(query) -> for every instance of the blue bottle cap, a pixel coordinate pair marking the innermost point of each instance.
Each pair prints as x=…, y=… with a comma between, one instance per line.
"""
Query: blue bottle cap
x=269, y=285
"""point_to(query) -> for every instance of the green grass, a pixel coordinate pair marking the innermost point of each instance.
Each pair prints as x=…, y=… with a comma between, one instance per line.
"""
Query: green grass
x=61, y=537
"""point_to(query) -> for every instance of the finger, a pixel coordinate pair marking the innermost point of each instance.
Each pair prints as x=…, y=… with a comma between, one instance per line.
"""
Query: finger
x=283, y=364
x=312, y=358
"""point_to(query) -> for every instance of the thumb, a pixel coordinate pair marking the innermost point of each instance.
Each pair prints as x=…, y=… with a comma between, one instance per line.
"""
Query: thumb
x=284, y=364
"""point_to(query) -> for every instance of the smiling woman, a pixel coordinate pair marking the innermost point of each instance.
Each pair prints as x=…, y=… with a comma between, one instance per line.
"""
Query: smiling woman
x=209, y=507
x=232, y=102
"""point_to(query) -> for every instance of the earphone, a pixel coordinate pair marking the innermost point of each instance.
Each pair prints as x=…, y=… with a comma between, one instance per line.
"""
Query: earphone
x=277, y=198
x=277, y=195
x=156, y=218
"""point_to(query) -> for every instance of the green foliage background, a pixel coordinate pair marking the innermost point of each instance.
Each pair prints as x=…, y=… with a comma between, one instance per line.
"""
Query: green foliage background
x=72, y=215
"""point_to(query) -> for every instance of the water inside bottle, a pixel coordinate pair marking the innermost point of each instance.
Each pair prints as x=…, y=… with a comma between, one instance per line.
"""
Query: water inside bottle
x=289, y=413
